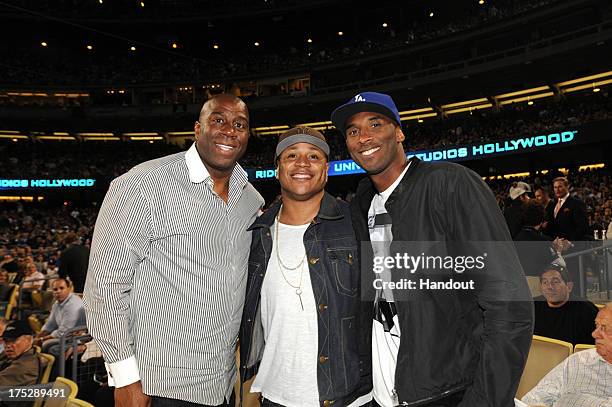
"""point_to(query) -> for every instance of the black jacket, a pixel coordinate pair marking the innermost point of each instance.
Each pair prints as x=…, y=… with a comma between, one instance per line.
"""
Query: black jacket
x=571, y=222
x=512, y=214
x=475, y=341
x=344, y=362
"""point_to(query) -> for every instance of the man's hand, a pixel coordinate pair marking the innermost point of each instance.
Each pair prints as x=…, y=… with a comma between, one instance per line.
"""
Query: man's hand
x=131, y=396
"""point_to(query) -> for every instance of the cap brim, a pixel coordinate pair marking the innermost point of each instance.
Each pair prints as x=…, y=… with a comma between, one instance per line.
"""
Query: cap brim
x=340, y=116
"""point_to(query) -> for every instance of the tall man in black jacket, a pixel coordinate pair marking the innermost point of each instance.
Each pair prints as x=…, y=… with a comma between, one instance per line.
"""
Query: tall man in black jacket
x=439, y=347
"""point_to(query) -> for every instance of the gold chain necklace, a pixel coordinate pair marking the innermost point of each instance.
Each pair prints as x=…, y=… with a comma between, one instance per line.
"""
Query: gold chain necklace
x=281, y=265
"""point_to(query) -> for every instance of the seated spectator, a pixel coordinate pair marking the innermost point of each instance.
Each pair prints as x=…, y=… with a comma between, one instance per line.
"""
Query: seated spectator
x=584, y=378
x=558, y=317
x=519, y=194
x=66, y=313
x=33, y=279
x=21, y=366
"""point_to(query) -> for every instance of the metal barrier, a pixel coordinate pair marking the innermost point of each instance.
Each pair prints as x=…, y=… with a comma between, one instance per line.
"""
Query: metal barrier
x=600, y=257
x=71, y=339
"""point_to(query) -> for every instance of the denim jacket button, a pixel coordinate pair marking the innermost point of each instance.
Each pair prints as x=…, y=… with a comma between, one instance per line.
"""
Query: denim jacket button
x=313, y=260
x=322, y=307
x=323, y=359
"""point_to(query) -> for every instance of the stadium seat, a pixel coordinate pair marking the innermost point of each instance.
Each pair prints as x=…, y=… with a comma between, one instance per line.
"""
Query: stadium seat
x=12, y=302
x=544, y=354
x=35, y=323
x=70, y=391
x=534, y=286
x=78, y=403
x=581, y=346
x=46, y=362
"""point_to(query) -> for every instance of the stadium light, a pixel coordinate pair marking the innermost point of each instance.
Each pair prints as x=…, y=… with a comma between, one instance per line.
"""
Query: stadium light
x=309, y=40
x=385, y=25
x=585, y=79
x=256, y=44
x=414, y=111
x=481, y=2
x=431, y=14
x=340, y=33
x=43, y=44
x=132, y=48
x=530, y=103
x=174, y=45
x=469, y=109
x=465, y=103
x=216, y=46
x=142, y=4
x=89, y=47
x=418, y=117
x=595, y=90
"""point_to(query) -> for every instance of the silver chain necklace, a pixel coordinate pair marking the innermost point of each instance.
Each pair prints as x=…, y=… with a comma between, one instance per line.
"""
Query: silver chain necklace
x=281, y=265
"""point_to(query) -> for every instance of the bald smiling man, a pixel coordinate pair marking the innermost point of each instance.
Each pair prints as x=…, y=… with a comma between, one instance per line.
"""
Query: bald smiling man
x=167, y=272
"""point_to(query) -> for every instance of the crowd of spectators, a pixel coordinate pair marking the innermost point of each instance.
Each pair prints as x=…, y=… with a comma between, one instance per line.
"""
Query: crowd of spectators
x=480, y=126
x=156, y=65
x=89, y=159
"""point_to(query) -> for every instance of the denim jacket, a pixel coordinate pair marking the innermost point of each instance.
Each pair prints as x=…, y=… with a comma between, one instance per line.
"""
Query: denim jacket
x=344, y=361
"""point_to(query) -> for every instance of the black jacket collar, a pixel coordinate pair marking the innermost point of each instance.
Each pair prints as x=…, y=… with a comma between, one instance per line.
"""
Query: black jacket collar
x=329, y=210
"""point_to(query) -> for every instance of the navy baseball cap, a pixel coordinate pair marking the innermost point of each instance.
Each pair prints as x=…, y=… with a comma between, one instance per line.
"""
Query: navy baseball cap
x=365, y=102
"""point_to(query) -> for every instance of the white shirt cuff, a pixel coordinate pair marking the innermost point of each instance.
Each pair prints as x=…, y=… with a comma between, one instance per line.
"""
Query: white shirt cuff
x=122, y=373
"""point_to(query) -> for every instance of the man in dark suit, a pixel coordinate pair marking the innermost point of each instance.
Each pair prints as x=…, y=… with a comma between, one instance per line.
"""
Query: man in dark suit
x=73, y=262
x=566, y=217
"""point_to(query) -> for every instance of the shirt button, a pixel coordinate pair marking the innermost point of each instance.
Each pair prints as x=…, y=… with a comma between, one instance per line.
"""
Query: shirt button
x=323, y=359
x=322, y=307
x=313, y=260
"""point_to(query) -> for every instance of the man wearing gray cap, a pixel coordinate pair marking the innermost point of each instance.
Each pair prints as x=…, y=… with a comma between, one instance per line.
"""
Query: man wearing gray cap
x=433, y=347
x=300, y=327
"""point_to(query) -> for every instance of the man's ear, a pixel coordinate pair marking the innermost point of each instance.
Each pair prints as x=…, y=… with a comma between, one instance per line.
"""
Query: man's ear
x=570, y=286
x=276, y=173
x=196, y=129
x=399, y=134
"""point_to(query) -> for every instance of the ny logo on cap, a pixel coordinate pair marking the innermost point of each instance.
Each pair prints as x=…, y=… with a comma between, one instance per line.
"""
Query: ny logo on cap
x=359, y=98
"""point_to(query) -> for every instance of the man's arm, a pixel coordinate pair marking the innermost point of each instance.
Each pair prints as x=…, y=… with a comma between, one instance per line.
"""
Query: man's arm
x=476, y=223
x=550, y=388
x=51, y=324
x=21, y=372
x=120, y=242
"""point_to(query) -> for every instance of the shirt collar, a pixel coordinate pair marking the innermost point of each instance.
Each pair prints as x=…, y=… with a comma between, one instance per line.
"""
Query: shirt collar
x=565, y=197
x=198, y=172
x=387, y=192
x=66, y=300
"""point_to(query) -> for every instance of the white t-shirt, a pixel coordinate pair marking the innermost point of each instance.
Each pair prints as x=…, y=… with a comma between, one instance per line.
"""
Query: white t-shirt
x=288, y=370
x=385, y=325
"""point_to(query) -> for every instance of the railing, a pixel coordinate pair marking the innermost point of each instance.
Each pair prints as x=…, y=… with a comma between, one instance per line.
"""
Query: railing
x=600, y=257
x=71, y=339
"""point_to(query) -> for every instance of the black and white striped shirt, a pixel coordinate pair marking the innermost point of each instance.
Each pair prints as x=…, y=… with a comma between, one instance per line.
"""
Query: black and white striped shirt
x=167, y=278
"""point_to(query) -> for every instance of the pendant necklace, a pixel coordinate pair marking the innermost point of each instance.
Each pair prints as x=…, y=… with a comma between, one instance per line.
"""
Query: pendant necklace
x=282, y=265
